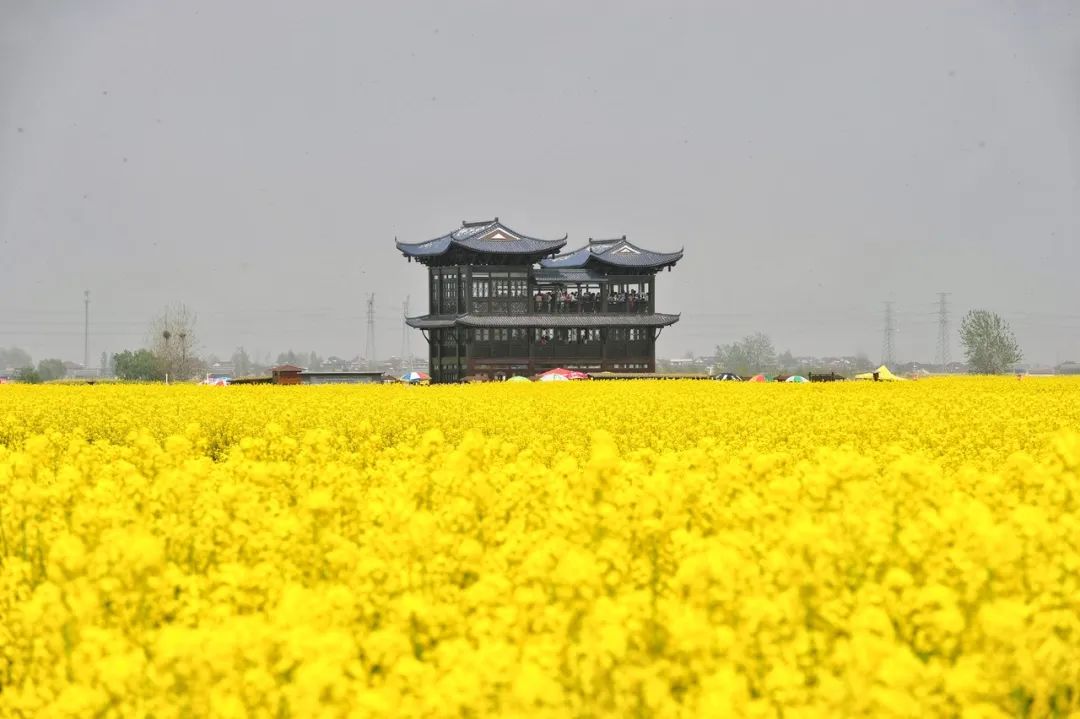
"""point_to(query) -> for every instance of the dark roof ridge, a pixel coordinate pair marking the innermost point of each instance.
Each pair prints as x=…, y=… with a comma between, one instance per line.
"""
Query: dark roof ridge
x=474, y=236
x=611, y=253
x=496, y=221
x=636, y=247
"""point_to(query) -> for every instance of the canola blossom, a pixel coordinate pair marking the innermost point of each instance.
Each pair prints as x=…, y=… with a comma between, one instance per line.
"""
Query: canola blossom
x=662, y=549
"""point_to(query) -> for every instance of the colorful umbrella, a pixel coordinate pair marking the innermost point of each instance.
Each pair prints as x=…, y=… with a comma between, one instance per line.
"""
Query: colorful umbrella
x=798, y=378
x=518, y=378
x=548, y=377
x=728, y=377
x=577, y=375
x=758, y=378
x=416, y=377
x=558, y=371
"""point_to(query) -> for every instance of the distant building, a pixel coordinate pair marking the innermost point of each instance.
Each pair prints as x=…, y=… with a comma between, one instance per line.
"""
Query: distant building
x=222, y=369
x=1068, y=368
x=290, y=374
x=502, y=303
x=286, y=374
x=345, y=377
x=74, y=370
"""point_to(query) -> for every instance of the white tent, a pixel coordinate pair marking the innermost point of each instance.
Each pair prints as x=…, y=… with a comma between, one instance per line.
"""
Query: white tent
x=554, y=378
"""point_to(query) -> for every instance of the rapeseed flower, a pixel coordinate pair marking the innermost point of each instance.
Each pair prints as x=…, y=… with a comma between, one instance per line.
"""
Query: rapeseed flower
x=673, y=549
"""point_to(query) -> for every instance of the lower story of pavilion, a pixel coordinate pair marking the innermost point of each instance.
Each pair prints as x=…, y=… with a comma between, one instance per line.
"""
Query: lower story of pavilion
x=456, y=352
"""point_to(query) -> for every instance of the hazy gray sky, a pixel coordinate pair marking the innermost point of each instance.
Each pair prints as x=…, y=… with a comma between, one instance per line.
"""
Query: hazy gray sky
x=255, y=160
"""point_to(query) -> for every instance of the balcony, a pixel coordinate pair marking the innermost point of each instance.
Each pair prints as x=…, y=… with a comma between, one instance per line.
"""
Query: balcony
x=587, y=306
x=629, y=306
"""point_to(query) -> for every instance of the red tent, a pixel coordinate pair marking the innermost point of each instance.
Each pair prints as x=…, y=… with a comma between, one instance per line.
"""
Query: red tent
x=757, y=378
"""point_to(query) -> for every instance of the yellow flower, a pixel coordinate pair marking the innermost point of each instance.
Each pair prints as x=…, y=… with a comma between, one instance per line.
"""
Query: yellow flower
x=673, y=549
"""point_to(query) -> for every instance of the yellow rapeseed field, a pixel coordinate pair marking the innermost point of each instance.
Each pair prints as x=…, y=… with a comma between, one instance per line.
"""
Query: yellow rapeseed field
x=662, y=549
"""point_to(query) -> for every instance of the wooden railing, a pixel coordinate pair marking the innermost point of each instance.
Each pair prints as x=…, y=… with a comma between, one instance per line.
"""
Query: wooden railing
x=589, y=306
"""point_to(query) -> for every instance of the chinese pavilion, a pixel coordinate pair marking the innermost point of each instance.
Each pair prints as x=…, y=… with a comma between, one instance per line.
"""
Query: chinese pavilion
x=502, y=303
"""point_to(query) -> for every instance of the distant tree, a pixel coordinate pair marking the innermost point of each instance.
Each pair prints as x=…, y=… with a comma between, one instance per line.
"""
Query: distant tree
x=753, y=353
x=862, y=363
x=786, y=361
x=1068, y=367
x=29, y=375
x=241, y=363
x=989, y=345
x=138, y=365
x=289, y=357
x=314, y=362
x=13, y=357
x=173, y=342
x=197, y=367
x=103, y=364
x=50, y=369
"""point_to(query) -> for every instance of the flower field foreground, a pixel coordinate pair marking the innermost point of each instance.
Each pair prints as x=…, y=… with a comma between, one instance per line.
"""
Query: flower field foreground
x=668, y=549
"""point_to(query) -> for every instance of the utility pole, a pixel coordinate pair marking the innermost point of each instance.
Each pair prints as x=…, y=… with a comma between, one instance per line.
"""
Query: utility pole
x=86, y=330
x=406, y=347
x=943, y=357
x=369, y=344
x=888, y=348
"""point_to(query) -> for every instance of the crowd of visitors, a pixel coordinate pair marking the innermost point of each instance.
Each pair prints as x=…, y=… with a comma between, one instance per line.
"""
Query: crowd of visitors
x=564, y=300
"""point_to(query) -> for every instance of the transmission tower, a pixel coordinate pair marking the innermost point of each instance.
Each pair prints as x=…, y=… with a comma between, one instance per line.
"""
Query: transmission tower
x=406, y=347
x=369, y=344
x=86, y=330
x=888, y=349
x=943, y=357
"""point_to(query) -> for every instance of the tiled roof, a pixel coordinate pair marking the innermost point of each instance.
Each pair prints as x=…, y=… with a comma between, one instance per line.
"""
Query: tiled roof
x=487, y=236
x=617, y=253
x=584, y=319
x=427, y=322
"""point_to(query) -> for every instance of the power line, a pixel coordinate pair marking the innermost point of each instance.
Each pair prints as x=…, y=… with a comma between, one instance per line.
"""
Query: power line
x=888, y=340
x=86, y=329
x=942, y=356
x=369, y=344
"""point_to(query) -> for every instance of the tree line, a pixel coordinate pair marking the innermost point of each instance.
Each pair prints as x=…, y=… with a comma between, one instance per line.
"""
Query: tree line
x=172, y=352
x=990, y=347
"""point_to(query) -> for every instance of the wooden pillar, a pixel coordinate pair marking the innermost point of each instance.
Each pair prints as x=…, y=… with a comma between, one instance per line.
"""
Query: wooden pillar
x=459, y=298
x=467, y=293
x=530, y=337
x=436, y=355
x=457, y=350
